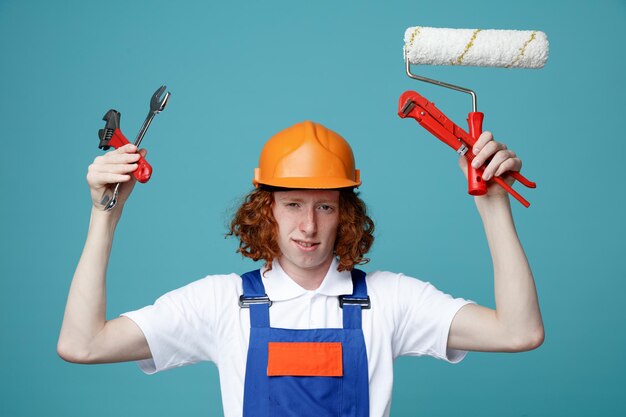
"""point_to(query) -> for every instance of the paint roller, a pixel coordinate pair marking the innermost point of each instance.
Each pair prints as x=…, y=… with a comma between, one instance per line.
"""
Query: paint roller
x=469, y=47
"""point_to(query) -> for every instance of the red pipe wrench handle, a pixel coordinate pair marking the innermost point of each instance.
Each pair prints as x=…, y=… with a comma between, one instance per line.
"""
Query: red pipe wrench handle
x=475, y=183
x=144, y=170
x=525, y=181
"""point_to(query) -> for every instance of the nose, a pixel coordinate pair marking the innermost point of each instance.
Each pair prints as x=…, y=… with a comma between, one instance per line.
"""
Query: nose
x=308, y=222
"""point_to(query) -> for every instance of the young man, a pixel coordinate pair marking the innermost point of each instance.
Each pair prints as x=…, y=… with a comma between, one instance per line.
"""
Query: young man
x=308, y=334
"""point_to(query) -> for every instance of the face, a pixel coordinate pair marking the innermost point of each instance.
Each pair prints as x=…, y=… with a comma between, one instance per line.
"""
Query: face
x=307, y=227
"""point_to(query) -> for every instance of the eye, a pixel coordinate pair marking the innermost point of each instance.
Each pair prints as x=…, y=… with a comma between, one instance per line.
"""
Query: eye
x=326, y=208
x=292, y=204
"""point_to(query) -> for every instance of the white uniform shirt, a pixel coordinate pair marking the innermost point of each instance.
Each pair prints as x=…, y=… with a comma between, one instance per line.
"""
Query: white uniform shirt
x=202, y=321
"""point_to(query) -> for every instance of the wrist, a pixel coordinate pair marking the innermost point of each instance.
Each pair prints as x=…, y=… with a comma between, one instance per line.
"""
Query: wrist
x=102, y=218
x=497, y=217
x=492, y=203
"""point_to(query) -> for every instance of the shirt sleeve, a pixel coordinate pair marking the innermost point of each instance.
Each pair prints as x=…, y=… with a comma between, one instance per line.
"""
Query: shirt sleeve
x=178, y=327
x=423, y=321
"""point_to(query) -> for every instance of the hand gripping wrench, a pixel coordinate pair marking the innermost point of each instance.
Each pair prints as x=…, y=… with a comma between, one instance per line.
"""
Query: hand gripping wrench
x=111, y=135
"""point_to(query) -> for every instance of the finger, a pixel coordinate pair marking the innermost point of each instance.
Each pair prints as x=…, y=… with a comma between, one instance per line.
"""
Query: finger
x=487, y=152
x=99, y=175
x=483, y=139
x=502, y=157
x=495, y=162
x=113, y=168
x=143, y=152
x=512, y=164
x=128, y=148
x=97, y=179
x=105, y=164
x=117, y=158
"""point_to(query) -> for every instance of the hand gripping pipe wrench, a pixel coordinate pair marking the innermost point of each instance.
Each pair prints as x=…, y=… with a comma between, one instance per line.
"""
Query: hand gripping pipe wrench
x=111, y=135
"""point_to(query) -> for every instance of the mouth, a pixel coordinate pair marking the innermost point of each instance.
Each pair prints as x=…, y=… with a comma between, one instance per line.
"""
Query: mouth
x=305, y=245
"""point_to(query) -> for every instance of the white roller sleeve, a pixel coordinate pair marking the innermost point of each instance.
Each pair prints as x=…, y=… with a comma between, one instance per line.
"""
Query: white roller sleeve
x=477, y=47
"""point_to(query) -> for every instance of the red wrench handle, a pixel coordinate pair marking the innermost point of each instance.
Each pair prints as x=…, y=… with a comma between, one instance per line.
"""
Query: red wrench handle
x=475, y=183
x=144, y=170
x=525, y=181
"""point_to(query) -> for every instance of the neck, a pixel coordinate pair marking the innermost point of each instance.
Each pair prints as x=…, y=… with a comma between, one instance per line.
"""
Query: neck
x=308, y=278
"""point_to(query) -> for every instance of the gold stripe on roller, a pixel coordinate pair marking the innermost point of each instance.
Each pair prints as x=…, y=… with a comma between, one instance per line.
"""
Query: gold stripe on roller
x=469, y=45
x=416, y=32
x=522, y=50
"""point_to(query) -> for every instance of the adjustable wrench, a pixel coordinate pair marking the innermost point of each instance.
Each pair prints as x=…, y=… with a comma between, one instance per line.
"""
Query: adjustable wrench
x=111, y=135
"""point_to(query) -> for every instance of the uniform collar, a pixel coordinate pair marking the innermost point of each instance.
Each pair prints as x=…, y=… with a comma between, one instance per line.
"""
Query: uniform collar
x=280, y=287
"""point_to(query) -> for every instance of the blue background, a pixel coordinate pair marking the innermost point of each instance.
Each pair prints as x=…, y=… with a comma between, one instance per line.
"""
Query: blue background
x=241, y=71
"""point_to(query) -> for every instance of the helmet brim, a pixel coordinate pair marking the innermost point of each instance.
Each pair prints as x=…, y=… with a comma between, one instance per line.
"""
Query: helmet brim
x=310, y=183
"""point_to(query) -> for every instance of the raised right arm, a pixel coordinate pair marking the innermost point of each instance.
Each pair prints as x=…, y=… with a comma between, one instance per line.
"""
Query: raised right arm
x=86, y=336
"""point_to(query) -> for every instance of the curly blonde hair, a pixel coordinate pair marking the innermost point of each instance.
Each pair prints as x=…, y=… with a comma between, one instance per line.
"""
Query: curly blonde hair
x=255, y=227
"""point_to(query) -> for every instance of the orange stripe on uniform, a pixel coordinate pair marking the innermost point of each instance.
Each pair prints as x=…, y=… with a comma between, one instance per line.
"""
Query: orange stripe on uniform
x=304, y=359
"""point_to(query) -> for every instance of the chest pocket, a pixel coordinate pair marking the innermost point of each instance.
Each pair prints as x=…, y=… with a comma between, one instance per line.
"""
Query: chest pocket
x=304, y=359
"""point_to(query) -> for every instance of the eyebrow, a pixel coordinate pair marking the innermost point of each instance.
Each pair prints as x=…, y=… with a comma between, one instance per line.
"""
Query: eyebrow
x=301, y=200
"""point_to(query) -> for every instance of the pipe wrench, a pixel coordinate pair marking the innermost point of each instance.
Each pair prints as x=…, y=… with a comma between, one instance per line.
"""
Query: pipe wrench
x=414, y=106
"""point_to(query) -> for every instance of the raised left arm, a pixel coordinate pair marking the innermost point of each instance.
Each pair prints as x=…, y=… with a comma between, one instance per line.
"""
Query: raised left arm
x=515, y=325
